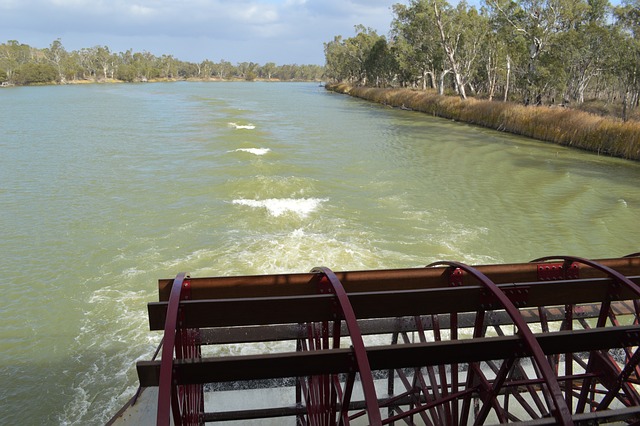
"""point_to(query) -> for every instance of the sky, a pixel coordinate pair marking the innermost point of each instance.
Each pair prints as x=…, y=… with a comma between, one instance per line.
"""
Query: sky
x=280, y=31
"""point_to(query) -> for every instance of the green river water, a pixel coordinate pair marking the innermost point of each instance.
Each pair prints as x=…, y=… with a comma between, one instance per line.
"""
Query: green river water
x=106, y=188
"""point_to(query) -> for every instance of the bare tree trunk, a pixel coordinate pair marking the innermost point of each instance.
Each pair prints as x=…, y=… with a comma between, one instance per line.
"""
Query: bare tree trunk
x=455, y=68
x=491, y=78
x=432, y=79
x=506, y=87
x=443, y=74
x=472, y=88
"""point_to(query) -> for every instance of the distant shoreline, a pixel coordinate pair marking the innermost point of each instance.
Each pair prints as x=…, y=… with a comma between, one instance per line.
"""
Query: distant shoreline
x=563, y=126
x=163, y=80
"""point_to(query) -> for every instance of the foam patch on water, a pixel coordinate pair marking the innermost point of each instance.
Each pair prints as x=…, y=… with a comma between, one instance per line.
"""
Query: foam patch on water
x=104, y=376
x=280, y=206
x=254, y=151
x=242, y=126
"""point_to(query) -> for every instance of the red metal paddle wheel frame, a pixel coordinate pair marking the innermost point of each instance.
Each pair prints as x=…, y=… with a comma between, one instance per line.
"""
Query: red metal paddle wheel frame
x=185, y=402
x=551, y=342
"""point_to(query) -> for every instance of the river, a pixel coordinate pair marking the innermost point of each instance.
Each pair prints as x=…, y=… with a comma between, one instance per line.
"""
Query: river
x=106, y=188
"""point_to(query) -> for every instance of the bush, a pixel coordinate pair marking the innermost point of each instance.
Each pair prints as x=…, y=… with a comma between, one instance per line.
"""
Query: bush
x=126, y=73
x=32, y=73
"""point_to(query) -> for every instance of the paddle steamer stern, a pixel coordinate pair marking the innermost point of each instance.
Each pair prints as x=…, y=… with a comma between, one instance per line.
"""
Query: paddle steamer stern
x=552, y=341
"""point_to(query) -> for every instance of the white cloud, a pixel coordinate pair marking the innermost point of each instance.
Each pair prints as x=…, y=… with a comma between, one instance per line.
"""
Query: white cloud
x=258, y=14
x=137, y=10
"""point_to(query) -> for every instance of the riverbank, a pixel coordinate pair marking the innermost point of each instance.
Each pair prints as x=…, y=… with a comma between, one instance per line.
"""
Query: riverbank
x=563, y=126
x=158, y=80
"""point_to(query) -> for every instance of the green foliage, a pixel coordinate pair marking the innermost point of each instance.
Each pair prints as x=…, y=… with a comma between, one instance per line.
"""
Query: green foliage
x=360, y=59
x=126, y=72
x=33, y=73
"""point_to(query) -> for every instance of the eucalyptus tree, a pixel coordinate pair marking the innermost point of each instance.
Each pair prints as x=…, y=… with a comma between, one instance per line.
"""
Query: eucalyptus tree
x=168, y=66
x=247, y=70
x=461, y=38
x=441, y=38
x=72, y=66
x=222, y=69
x=359, y=48
x=205, y=69
x=12, y=55
x=346, y=59
x=337, y=63
x=104, y=61
x=286, y=72
x=126, y=70
x=314, y=72
x=187, y=69
x=587, y=48
x=145, y=66
x=418, y=49
x=380, y=64
x=268, y=69
x=494, y=64
x=56, y=54
x=87, y=63
x=534, y=26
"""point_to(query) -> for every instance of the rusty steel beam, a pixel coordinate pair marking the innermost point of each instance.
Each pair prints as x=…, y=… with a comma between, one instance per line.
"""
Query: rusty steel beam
x=621, y=415
x=335, y=361
x=376, y=326
x=294, y=309
x=376, y=280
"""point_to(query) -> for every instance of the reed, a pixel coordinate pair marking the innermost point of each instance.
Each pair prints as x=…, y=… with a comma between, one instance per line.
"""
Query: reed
x=563, y=126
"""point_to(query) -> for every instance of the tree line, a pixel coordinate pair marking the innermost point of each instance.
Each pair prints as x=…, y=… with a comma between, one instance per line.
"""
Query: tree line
x=22, y=64
x=530, y=51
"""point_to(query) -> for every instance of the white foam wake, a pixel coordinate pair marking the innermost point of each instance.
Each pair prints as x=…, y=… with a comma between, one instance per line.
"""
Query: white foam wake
x=242, y=126
x=254, y=151
x=279, y=206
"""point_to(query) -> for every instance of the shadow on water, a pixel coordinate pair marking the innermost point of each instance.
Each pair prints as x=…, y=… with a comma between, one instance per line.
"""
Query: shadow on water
x=583, y=165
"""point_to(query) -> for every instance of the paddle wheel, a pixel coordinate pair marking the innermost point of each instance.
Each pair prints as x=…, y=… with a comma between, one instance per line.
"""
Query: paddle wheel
x=553, y=341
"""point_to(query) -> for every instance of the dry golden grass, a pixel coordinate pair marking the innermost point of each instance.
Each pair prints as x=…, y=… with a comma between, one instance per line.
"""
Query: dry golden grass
x=564, y=126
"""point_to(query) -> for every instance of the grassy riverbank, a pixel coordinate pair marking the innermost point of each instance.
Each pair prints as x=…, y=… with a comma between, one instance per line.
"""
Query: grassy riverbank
x=564, y=126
